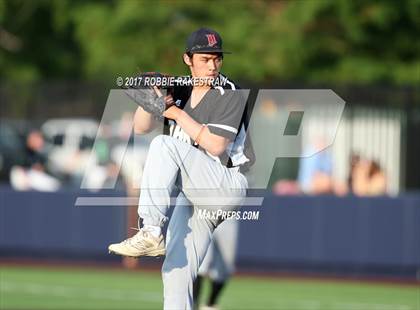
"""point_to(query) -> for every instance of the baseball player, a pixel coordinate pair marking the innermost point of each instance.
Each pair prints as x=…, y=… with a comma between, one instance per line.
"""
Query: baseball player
x=218, y=264
x=198, y=161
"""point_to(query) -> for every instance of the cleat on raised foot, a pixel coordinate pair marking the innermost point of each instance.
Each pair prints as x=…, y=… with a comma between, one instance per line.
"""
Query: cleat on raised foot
x=142, y=243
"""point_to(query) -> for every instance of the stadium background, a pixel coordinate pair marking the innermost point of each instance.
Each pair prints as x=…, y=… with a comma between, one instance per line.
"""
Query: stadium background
x=341, y=248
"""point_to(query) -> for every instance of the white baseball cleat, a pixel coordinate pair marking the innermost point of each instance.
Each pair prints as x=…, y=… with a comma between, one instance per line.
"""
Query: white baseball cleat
x=141, y=244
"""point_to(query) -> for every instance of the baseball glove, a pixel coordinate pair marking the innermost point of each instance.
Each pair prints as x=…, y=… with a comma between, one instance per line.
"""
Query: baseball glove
x=146, y=96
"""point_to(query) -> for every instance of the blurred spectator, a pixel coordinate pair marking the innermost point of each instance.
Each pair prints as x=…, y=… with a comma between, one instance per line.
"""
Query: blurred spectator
x=33, y=174
x=377, y=177
x=366, y=177
x=36, y=155
x=315, y=172
x=286, y=187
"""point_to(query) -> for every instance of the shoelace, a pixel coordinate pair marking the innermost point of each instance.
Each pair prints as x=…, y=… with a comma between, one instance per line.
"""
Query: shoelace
x=135, y=237
x=137, y=240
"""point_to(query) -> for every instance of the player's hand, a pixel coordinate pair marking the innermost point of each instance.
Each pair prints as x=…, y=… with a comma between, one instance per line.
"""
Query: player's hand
x=173, y=112
x=169, y=100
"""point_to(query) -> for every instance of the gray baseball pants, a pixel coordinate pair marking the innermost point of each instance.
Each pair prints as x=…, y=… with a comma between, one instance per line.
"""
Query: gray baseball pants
x=203, y=184
x=219, y=262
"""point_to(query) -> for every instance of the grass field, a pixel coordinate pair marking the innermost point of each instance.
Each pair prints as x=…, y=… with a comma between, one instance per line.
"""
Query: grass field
x=83, y=288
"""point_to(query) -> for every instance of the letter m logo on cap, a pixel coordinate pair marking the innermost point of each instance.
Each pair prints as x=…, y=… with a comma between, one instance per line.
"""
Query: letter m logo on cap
x=211, y=38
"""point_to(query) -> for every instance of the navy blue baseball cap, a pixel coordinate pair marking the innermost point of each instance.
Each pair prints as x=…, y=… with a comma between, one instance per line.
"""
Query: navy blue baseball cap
x=205, y=40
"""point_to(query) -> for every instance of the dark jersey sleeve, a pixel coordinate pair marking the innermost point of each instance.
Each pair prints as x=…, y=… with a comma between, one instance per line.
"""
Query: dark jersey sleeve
x=228, y=109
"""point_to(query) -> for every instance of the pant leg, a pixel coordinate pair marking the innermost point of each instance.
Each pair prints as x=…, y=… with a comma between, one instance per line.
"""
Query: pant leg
x=187, y=240
x=208, y=261
x=219, y=262
x=203, y=180
x=224, y=255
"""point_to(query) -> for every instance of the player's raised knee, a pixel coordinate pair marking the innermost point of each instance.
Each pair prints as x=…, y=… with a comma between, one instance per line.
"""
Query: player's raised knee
x=157, y=141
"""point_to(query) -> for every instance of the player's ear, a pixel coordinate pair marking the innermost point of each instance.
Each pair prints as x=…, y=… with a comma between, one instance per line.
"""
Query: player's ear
x=187, y=59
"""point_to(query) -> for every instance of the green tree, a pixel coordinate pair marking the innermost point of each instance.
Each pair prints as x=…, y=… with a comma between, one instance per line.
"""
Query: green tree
x=333, y=41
